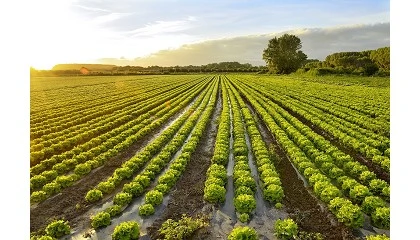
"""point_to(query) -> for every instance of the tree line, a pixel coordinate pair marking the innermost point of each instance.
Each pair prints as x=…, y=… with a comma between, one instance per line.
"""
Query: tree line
x=283, y=56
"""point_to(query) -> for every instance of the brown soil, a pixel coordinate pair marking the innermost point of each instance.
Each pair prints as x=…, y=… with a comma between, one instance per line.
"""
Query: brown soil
x=63, y=205
x=187, y=195
x=309, y=213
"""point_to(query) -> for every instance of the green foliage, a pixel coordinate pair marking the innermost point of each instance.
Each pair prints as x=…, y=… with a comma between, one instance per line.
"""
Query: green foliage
x=133, y=188
x=143, y=180
x=129, y=230
x=83, y=169
x=371, y=203
x=377, y=237
x=285, y=229
x=351, y=215
x=122, y=199
x=38, y=196
x=101, y=219
x=114, y=210
x=245, y=203
x=214, y=193
x=51, y=188
x=283, y=54
x=45, y=238
x=37, y=181
x=244, y=217
x=58, y=228
x=163, y=188
x=302, y=235
x=93, y=195
x=146, y=210
x=154, y=197
x=243, y=190
x=381, y=217
x=273, y=193
x=241, y=233
x=181, y=229
x=359, y=192
x=106, y=187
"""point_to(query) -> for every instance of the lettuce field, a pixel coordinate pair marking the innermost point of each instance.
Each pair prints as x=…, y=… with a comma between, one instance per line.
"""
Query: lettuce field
x=209, y=157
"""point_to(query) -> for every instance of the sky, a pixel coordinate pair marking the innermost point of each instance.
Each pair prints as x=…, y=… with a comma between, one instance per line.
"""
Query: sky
x=171, y=32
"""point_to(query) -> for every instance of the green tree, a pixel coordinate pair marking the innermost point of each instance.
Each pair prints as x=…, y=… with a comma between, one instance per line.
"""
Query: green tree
x=381, y=57
x=283, y=54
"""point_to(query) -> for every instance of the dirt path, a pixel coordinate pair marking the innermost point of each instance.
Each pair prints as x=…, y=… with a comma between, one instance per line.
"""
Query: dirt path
x=187, y=195
x=300, y=204
x=63, y=205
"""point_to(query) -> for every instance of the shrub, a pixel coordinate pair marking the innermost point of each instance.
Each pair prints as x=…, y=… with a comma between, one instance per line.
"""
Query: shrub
x=126, y=231
x=154, y=197
x=93, y=195
x=245, y=203
x=371, y=203
x=101, y=219
x=106, y=187
x=214, y=193
x=285, y=229
x=146, y=209
x=113, y=210
x=122, y=199
x=381, y=217
x=181, y=229
x=133, y=188
x=38, y=196
x=240, y=233
x=58, y=228
x=273, y=193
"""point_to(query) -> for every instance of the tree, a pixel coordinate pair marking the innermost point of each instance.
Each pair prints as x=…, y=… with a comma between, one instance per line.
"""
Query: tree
x=382, y=57
x=283, y=54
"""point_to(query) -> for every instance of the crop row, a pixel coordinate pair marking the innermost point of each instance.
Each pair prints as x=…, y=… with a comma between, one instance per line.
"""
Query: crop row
x=82, y=133
x=351, y=137
x=319, y=168
x=89, y=160
x=155, y=167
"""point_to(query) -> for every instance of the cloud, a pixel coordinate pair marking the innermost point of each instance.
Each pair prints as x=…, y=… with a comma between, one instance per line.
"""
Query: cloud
x=161, y=27
x=316, y=43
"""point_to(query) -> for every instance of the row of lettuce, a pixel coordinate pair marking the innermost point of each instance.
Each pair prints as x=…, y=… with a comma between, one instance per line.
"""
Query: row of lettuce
x=351, y=128
x=185, y=228
x=63, y=170
x=155, y=173
x=347, y=186
x=96, y=121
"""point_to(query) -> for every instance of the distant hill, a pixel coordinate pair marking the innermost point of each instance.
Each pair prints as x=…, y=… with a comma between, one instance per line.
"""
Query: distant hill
x=78, y=66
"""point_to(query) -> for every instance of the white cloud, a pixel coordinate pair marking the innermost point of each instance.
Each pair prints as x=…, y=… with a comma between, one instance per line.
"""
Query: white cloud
x=161, y=27
x=316, y=43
